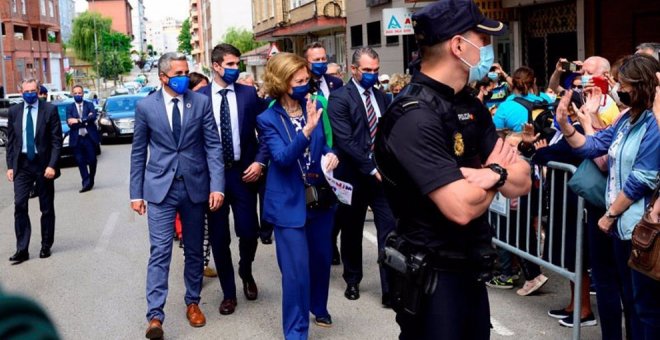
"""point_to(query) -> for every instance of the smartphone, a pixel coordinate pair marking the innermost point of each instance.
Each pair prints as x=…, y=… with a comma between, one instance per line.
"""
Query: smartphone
x=568, y=66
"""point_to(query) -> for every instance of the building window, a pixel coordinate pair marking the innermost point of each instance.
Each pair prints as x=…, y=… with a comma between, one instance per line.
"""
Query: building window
x=13, y=6
x=23, y=7
x=298, y=3
x=356, y=36
x=373, y=33
x=42, y=7
x=264, y=10
x=272, y=8
x=51, y=8
x=392, y=40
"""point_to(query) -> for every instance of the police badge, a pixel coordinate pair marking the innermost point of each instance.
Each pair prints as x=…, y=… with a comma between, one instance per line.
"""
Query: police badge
x=459, y=146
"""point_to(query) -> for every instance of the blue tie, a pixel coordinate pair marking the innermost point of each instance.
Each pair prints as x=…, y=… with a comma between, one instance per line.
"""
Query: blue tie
x=29, y=134
x=176, y=120
x=225, y=130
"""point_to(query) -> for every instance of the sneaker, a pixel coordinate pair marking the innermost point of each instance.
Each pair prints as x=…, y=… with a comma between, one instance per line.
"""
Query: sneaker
x=590, y=320
x=559, y=313
x=498, y=282
x=532, y=285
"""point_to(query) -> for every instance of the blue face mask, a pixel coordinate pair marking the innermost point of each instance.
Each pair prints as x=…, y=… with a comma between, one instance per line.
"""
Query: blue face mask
x=78, y=99
x=486, y=59
x=319, y=68
x=368, y=80
x=231, y=75
x=30, y=97
x=300, y=92
x=493, y=75
x=178, y=84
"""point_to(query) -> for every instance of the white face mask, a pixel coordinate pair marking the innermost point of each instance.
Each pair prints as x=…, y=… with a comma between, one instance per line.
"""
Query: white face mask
x=615, y=95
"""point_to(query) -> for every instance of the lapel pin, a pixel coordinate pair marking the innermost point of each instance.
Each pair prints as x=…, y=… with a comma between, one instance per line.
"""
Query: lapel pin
x=188, y=106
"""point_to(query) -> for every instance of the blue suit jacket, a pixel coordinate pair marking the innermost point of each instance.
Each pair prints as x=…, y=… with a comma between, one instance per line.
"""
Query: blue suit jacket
x=249, y=107
x=284, y=199
x=198, y=153
x=334, y=83
x=89, y=116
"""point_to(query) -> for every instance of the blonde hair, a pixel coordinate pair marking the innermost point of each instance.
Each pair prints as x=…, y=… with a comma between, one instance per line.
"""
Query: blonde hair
x=399, y=80
x=279, y=71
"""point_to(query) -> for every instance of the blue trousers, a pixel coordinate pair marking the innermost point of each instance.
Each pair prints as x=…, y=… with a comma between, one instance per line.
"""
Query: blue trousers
x=161, y=218
x=304, y=255
x=646, y=294
x=241, y=197
x=85, y=155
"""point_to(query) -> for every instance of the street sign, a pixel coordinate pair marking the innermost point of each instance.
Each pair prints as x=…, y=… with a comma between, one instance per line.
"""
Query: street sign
x=397, y=21
x=7, y=57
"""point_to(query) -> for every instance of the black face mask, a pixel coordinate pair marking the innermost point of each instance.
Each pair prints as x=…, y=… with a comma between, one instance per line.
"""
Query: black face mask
x=624, y=98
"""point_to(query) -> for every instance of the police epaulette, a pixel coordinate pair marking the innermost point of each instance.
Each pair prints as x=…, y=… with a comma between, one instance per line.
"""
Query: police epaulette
x=406, y=105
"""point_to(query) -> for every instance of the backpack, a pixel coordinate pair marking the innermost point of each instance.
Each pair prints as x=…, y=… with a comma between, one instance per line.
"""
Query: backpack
x=541, y=115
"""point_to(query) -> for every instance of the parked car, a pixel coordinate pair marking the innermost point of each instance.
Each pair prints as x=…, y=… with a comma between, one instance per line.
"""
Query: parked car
x=58, y=96
x=66, y=150
x=15, y=98
x=3, y=131
x=148, y=89
x=117, y=118
x=119, y=91
x=132, y=86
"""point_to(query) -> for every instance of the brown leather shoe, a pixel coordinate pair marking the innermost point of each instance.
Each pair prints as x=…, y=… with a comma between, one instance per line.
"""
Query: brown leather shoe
x=195, y=315
x=228, y=306
x=155, y=329
x=250, y=290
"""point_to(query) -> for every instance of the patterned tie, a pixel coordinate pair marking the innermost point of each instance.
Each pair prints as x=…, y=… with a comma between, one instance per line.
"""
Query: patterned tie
x=225, y=130
x=176, y=120
x=371, y=118
x=29, y=134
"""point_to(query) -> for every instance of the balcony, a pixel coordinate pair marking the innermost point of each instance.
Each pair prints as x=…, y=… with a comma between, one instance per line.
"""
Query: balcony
x=194, y=13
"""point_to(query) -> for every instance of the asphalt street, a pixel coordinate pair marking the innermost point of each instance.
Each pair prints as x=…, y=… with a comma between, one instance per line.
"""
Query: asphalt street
x=94, y=284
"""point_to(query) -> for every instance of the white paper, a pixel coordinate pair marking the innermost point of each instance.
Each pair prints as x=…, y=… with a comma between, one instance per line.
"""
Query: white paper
x=500, y=205
x=343, y=190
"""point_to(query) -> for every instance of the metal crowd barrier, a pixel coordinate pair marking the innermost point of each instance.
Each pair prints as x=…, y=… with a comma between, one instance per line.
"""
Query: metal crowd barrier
x=519, y=240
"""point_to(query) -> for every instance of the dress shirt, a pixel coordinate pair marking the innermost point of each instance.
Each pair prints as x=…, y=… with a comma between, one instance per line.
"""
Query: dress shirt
x=233, y=115
x=324, y=87
x=374, y=102
x=81, y=131
x=169, y=105
x=34, y=112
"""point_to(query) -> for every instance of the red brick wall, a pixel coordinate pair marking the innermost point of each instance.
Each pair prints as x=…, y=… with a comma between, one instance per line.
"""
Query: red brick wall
x=622, y=25
x=117, y=10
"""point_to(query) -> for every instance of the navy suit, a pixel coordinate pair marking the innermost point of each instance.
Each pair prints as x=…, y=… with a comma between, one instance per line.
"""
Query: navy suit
x=350, y=129
x=302, y=235
x=241, y=197
x=84, y=147
x=178, y=176
x=48, y=143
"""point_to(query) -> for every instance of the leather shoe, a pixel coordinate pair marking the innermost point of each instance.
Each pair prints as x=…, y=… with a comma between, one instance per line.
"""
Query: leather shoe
x=85, y=189
x=44, y=253
x=323, y=321
x=195, y=316
x=20, y=256
x=250, y=290
x=352, y=291
x=267, y=240
x=228, y=306
x=155, y=329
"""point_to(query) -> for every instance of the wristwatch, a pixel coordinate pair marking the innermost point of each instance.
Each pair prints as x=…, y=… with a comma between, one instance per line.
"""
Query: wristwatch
x=500, y=171
x=611, y=216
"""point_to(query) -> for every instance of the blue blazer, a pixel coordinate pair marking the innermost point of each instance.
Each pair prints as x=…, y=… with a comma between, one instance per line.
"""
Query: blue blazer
x=249, y=107
x=284, y=198
x=198, y=152
x=334, y=83
x=89, y=116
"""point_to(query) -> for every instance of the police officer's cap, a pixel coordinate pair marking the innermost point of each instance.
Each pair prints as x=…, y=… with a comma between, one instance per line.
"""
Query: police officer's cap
x=444, y=19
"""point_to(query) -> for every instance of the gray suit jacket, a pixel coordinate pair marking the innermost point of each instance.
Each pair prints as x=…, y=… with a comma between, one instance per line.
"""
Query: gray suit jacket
x=198, y=153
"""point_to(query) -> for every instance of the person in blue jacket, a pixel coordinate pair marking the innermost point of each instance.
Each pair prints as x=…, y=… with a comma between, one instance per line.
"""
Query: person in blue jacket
x=513, y=115
x=293, y=132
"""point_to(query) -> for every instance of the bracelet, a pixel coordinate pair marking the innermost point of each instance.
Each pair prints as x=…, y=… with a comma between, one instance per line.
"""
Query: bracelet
x=571, y=134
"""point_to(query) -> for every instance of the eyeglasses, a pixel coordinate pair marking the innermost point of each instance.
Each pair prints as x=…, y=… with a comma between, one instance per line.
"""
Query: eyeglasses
x=579, y=87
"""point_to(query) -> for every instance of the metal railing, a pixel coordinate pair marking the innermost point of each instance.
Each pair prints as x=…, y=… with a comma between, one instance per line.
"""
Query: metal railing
x=504, y=214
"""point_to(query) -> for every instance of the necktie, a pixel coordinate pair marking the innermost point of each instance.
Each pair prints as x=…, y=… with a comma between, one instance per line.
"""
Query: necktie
x=29, y=134
x=176, y=120
x=225, y=130
x=371, y=118
x=82, y=131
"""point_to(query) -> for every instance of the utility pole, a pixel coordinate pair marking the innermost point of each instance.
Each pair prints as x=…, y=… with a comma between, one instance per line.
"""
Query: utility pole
x=96, y=48
x=2, y=54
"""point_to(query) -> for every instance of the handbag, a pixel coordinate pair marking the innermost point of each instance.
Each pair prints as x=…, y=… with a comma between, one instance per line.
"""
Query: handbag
x=589, y=183
x=645, y=255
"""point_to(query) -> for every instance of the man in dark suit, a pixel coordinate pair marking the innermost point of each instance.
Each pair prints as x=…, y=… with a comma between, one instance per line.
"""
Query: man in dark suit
x=323, y=83
x=83, y=136
x=184, y=173
x=235, y=108
x=354, y=111
x=34, y=140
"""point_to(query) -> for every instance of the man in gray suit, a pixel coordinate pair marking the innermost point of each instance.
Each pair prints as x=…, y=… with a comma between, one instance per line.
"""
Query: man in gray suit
x=184, y=174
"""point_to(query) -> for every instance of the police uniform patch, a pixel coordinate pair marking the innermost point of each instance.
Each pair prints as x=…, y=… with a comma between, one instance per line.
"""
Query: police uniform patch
x=459, y=145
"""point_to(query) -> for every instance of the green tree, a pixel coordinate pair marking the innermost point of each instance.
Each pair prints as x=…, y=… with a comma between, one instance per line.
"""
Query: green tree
x=82, y=37
x=184, y=38
x=115, y=55
x=241, y=39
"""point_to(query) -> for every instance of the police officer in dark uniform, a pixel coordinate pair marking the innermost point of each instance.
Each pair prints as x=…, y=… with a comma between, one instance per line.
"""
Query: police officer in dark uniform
x=442, y=164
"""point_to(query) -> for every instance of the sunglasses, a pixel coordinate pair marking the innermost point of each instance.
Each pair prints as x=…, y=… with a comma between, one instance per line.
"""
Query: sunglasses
x=577, y=87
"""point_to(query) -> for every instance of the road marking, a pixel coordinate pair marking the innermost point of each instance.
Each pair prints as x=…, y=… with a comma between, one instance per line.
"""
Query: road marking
x=370, y=237
x=500, y=329
x=109, y=229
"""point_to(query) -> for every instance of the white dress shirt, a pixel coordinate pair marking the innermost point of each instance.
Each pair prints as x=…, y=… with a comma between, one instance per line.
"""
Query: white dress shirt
x=82, y=132
x=324, y=87
x=233, y=115
x=374, y=102
x=34, y=112
x=169, y=106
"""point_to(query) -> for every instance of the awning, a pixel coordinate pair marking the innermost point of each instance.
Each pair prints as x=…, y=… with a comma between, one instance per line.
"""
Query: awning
x=311, y=25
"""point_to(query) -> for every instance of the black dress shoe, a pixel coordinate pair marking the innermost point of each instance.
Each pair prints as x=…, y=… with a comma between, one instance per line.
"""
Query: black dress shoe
x=20, y=256
x=44, y=253
x=323, y=321
x=85, y=189
x=250, y=289
x=267, y=240
x=352, y=291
